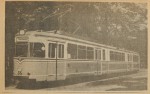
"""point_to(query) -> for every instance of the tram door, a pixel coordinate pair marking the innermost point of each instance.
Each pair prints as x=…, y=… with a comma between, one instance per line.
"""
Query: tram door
x=56, y=64
x=98, y=59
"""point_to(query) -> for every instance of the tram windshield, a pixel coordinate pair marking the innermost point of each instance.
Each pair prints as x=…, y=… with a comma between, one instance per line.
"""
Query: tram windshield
x=24, y=49
x=21, y=49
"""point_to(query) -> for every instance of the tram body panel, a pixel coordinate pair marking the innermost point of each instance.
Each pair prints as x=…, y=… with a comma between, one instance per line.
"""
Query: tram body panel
x=105, y=67
x=93, y=68
x=117, y=67
x=129, y=66
x=136, y=66
x=40, y=70
x=99, y=67
x=79, y=67
x=31, y=69
x=56, y=73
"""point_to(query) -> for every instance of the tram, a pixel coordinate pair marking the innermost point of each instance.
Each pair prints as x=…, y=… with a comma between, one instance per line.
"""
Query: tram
x=48, y=56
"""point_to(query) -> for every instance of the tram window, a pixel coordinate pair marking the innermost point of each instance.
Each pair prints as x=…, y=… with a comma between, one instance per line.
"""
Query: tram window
x=123, y=56
x=117, y=56
x=72, y=50
x=52, y=47
x=21, y=49
x=129, y=57
x=37, y=50
x=135, y=58
x=90, y=53
x=103, y=54
x=61, y=51
x=111, y=55
x=81, y=52
x=98, y=54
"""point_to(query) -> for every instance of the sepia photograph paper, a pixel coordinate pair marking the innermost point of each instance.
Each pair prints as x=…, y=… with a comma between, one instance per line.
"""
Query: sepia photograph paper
x=74, y=46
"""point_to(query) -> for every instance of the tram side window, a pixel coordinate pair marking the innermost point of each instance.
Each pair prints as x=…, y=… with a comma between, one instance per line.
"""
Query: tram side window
x=72, y=50
x=37, y=50
x=52, y=47
x=103, y=54
x=129, y=57
x=112, y=56
x=135, y=58
x=98, y=54
x=61, y=51
x=81, y=52
x=90, y=53
x=117, y=56
x=123, y=56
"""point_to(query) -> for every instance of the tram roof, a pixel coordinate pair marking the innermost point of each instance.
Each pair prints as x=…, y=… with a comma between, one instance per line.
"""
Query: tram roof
x=71, y=38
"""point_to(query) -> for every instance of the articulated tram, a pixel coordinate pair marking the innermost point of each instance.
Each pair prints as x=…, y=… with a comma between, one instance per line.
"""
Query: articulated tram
x=47, y=56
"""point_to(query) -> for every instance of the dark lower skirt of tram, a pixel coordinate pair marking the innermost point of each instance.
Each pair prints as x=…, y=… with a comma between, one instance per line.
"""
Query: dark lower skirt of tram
x=32, y=84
